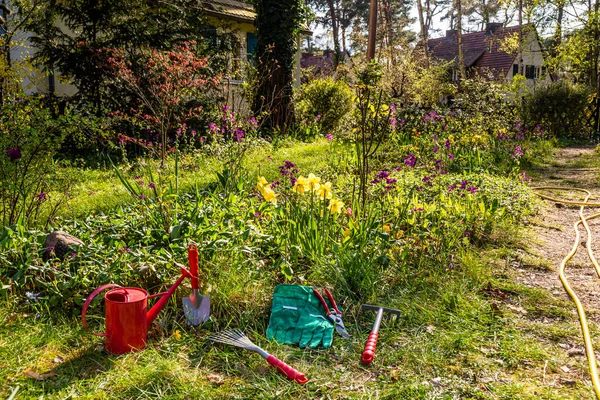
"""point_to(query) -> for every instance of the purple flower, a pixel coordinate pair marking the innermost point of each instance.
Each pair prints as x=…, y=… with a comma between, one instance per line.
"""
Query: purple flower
x=393, y=107
x=463, y=184
x=435, y=149
x=194, y=133
x=202, y=139
x=524, y=177
x=410, y=160
x=42, y=196
x=382, y=175
x=472, y=189
x=467, y=233
x=318, y=117
x=447, y=143
x=329, y=137
x=275, y=184
x=239, y=135
x=253, y=122
x=451, y=156
x=451, y=188
x=14, y=154
x=151, y=185
x=213, y=127
x=518, y=152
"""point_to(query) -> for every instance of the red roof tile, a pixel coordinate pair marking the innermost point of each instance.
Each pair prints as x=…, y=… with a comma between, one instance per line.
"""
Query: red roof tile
x=481, y=49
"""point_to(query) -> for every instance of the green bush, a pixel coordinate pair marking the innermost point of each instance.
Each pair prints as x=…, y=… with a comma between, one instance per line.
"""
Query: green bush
x=327, y=98
x=559, y=108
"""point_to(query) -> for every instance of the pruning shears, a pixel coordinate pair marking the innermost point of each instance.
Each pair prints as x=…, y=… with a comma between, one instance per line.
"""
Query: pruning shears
x=334, y=314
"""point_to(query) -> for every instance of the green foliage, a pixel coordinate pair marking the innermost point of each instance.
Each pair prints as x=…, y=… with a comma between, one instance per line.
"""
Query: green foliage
x=327, y=99
x=29, y=139
x=560, y=108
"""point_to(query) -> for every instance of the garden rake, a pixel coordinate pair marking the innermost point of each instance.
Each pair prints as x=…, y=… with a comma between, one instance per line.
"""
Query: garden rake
x=196, y=307
x=237, y=338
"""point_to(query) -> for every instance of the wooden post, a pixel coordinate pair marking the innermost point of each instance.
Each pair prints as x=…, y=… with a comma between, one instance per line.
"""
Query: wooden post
x=372, y=30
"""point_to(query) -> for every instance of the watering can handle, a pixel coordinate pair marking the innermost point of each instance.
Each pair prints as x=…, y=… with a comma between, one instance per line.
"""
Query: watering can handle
x=87, y=304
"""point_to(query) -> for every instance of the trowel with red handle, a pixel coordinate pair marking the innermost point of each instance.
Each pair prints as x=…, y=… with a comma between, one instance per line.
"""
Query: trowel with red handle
x=196, y=307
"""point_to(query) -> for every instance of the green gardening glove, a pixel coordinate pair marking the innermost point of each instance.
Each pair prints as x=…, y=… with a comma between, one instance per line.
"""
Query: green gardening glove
x=291, y=319
x=313, y=329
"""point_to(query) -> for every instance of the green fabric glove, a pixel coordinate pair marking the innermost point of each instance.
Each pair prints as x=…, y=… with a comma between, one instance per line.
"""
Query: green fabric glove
x=313, y=329
x=298, y=317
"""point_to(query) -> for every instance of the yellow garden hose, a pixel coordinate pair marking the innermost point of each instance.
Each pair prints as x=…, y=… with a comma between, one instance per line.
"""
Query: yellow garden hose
x=589, y=349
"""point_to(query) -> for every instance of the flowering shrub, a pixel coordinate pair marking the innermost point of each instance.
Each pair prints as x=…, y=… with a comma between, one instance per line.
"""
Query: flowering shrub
x=165, y=90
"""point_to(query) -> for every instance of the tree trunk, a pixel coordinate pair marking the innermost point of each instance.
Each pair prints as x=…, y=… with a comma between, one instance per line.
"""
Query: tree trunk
x=595, y=50
x=423, y=32
x=461, y=57
x=336, y=35
x=520, y=22
x=372, y=30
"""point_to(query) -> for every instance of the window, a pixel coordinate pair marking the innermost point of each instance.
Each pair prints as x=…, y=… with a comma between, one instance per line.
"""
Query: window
x=455, y=75
x=530, y=72
x=210, y=35
x=251, y=43
x=515, y=69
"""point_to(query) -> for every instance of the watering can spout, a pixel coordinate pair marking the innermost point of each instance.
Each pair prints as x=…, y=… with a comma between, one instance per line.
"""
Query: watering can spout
x=164, y=297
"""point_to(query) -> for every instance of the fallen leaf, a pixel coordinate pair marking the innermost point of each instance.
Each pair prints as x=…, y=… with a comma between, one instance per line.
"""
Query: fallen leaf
x=40, y=377
x=565, y=368
x=567, y=382
x=215, y=378
x=517, y=308
x=58, y=360
x=436, y=381
x=575, y=352
x=564, y=346
x=430, y=329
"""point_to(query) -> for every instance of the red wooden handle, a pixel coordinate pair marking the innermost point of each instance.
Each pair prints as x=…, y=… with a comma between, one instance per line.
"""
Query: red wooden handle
x=288, y=371
x=193, y=259
x=369, y=353
x=87, y=304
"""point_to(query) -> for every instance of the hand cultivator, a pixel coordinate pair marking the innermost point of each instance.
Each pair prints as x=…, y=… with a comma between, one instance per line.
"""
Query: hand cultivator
x=237, y=338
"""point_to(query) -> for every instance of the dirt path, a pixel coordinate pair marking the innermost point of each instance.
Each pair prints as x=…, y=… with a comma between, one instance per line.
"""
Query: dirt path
x=570, y=167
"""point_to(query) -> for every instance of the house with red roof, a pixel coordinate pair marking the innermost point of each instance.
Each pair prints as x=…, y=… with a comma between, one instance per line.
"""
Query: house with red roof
x=493, y=53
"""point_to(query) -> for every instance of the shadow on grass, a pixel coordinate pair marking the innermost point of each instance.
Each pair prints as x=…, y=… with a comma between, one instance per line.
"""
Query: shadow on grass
x=88, y=364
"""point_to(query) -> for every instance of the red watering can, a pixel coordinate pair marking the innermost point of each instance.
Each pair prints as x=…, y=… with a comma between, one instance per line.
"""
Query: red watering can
x=127, y=318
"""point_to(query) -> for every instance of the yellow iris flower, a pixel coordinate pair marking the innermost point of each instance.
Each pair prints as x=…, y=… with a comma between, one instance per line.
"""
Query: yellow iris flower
x=313, y=182
x=324, y=191
x=301, y=186
x=336, y=206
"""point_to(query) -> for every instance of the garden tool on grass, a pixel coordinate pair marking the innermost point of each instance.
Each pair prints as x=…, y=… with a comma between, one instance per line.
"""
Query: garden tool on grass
x=196, y=307
x=297, y=317
x=369, y=352
x=334, y=314
x=237, y=338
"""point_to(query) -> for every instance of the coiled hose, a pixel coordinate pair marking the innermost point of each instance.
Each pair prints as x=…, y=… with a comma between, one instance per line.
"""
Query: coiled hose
x=589, y=349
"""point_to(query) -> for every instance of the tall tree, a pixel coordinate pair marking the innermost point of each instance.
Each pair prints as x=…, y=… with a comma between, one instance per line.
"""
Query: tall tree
x=461, y=55
x=277, y=25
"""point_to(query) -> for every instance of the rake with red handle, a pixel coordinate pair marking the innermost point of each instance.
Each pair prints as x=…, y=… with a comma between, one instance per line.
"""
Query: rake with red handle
x=237, y=338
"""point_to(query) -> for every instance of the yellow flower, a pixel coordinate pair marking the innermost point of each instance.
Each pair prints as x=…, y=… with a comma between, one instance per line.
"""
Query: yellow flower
x=347, y=232
x=269, y=195
x=324, y=191
x=301, y=186
x=386, y=228
x=336, y=206
x=261, y=183
x=177, y=335
x=313, y=182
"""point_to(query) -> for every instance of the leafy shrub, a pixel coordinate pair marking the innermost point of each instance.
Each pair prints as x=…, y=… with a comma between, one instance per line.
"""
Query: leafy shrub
x=29, y=139
x=327, y=98
x=560, y=108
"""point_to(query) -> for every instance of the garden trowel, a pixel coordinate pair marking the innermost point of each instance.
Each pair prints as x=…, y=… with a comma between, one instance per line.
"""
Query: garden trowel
x=196, y=307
